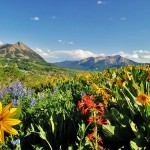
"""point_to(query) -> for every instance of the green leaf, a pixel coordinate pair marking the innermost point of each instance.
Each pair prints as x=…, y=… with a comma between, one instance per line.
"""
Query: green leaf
x=115, y=133
x=134, y=146
x=138, y=144
x=36, y=147
x=121, y=119
x=42, y=132
x=144, y=77
x=52, y=124
x=148, y=110
x=18, y=112
x=142, y=87
x=133, y=126
x=135, y=130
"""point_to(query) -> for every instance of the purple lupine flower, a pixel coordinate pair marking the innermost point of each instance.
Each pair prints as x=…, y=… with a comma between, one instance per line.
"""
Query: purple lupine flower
x=11, y=88
x=14, y=93
x=19, y=86
x=33, y=101
x=1, y=95
x=83, y=94
x=56, y=88
x=15, y=102
x=29, y=92
x=15, y=142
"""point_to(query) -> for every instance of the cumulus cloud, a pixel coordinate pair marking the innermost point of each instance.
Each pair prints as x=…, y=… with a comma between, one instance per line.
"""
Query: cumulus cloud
x=55, y=56
x=60, y=41
x=1, y=43
x=71, y=42
x=35, y=18
x=100, y=2
x=127, y=55
x=141, y=56
x=137, y=55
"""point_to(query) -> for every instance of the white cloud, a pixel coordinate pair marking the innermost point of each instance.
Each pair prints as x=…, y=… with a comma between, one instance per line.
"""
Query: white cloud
x=100, y=2
x=55, y=56
x=64, y=42
x=35, y=18
x=141, y=56
x=138, y=55
x=127, y=55
x=60, y=41
x=1, y=43
x=123, y=18
x=71, y=42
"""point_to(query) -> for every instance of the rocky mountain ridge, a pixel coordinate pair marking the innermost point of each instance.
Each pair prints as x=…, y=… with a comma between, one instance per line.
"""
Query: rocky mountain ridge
x=97, y=63
x=19, y=51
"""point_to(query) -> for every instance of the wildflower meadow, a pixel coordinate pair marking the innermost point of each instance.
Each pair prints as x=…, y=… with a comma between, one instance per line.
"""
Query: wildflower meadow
x=88, y=110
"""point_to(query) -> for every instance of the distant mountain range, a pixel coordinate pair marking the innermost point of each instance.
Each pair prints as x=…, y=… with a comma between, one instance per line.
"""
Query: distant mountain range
x=19, y=51
x=97, y=63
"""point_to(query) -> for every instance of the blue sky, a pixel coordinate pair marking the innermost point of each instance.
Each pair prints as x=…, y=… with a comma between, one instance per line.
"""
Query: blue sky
x=75, y=29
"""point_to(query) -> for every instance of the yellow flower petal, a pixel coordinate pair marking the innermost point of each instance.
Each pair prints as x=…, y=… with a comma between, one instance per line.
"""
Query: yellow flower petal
x=0, y=107
x=9, y=129
x=1, y=136
x=4, y=114
x=13, y=110
x=144, y=99
x=11, y=122
x=6, y=122
x=11, y=113
x=6, y=108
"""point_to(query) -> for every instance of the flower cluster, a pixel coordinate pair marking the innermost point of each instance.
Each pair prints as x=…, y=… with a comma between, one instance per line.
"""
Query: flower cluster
x=105, y=97
x=95, y=112
x=143, y=99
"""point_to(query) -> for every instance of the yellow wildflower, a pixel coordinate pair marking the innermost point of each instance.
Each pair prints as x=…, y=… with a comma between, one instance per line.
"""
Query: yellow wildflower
x=143, y=99
x=120, y=82
x=129, y=67
x=105, y=97
x=148, y=77
x=6, y=122
x=96, y=88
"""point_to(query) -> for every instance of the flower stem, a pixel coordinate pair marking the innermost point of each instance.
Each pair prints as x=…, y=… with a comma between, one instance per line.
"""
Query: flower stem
x=95, y=128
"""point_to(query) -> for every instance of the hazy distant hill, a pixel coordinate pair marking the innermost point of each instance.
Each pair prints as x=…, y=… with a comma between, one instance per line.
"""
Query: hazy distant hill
x=19, y=51
x=97, y=63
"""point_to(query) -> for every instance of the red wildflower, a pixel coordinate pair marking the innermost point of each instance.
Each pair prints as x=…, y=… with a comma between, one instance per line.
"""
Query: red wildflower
x=90, y=104
x=90, y=120
x=80, y=104
x=88, y=97
x=100, y=108
x=100, y=140
x=102, y=121
x=84, y=110
x=90, y=136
